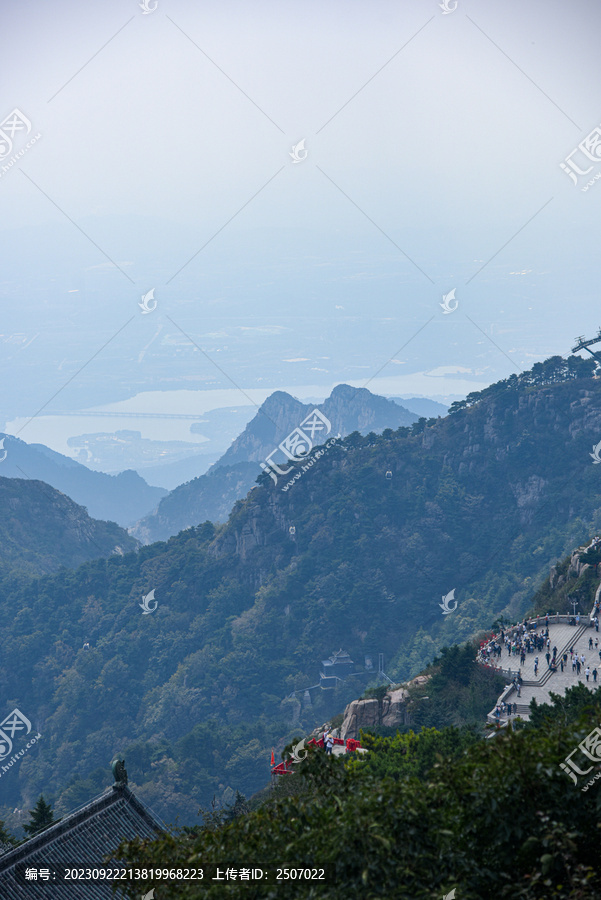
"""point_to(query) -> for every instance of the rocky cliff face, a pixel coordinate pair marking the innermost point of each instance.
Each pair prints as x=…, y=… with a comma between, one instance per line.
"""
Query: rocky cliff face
x=389, y=712
x=575, y=569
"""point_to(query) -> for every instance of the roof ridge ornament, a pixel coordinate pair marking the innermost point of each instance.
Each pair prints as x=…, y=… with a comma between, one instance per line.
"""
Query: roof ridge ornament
x=119, y=773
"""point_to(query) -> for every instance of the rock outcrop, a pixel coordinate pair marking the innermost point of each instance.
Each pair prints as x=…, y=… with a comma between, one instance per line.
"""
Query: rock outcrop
x=577, y=566
x=389, y=712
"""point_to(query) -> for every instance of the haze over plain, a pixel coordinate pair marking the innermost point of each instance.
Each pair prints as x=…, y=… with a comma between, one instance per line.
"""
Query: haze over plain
x=433, y=147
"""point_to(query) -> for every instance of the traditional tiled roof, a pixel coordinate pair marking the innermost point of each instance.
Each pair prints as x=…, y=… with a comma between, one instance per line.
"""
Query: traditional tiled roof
x=338, y=658
x=82, y=839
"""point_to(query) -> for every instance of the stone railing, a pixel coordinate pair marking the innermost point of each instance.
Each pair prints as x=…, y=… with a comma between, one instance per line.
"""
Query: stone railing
x=508, y=673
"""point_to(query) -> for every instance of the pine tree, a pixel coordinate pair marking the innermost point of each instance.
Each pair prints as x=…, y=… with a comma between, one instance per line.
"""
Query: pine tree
x=7, y=840
x=239, y=808
x=41, y=817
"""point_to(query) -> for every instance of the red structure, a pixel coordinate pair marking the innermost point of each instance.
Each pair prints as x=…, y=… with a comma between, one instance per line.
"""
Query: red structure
x=285, y=768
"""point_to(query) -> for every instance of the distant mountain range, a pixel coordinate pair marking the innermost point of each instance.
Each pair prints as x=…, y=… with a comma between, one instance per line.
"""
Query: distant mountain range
x=211, y=496
x=42, y=530
x=122, y=498
x=356, y=556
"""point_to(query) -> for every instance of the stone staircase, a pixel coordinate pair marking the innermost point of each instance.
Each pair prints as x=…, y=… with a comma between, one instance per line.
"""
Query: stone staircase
x=571, y=643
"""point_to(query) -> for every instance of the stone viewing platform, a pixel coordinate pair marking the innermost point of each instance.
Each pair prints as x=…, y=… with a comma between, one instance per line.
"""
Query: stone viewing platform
x=513, y=651
x=561, y=634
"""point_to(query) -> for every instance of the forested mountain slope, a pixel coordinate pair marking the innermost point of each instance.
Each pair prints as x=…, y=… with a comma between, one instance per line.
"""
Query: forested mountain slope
x=211, y=496
x=42, y=530
x=481, y=502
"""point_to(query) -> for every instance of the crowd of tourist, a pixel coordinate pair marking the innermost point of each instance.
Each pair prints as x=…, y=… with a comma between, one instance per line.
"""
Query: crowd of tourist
x=517, y=640
x=524, y=639
x=505, y=709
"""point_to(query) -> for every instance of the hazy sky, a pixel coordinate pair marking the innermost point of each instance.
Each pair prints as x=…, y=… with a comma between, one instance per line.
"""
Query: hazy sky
x=433, y=146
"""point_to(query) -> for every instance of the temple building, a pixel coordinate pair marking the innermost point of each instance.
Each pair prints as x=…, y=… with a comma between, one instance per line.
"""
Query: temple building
x=338, y=667
x=81, y=839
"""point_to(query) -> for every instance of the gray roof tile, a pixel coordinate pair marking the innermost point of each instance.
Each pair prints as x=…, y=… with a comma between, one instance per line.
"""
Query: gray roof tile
x=82, y=838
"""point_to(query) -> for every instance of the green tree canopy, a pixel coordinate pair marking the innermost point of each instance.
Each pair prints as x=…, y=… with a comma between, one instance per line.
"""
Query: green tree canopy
x=491, y=818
